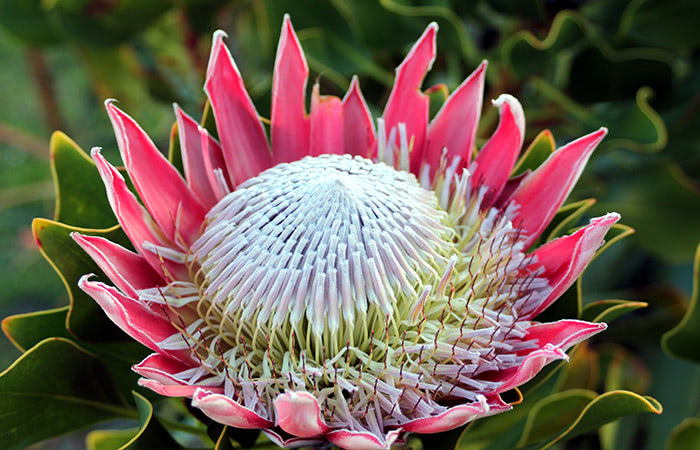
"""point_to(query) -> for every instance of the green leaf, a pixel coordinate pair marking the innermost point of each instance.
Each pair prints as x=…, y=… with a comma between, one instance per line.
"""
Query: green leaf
x=609, y=310
x=151, y=434
x=536, y=153
x=53, y=389
x=81, y=199
x=85, y=318
x=26, y=330
x=664, y=214
x=685, y=436
x=671, y=23
x=553, y=414
x=109, y=439
x=148, y=435
x=581, y=372
x=682, y=341
x=576, y=411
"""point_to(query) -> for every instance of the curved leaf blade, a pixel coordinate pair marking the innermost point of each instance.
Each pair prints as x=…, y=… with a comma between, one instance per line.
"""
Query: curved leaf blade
x=80, y=194
x=85, y=319
x=53, y=389
x=607, y=408
x=682, y=341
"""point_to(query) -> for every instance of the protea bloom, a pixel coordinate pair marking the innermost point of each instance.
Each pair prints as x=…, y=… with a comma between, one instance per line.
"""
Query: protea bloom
x=347, y=284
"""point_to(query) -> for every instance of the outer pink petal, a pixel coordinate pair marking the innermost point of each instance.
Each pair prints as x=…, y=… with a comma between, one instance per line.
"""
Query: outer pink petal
x=161, y=369
x=226, y=411
x=126, y=269
x=214, y=163
x=455, y=125
x=134, y=219
x=175, y=390
x=242, y=135
x=565, y=258
x=497, y=157
x=294, y=442
x=290, y=126
x=358, y=127
x=407, y=104
x=544, y=191
x=134, y=318
x=299, y=414
x=165, y=194
x=531, y=366
x=563, y=333
x=193, y=158
x=326, y=124
x=357, y=439
x=457, y=416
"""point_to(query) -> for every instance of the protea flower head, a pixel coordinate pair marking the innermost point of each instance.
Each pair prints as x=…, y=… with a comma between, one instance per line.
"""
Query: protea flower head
x=347, y=283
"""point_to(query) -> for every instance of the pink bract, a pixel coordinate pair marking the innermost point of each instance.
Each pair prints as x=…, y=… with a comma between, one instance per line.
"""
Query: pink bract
x=439, y=311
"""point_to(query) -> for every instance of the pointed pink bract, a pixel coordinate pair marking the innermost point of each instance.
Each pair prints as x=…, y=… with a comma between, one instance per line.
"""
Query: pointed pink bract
x=407, y=104
x=358, y=128
x=135, y=319
x=193, y=159
x=127, y=270
x=226, y=411
x=497, y=157
x=134, y=219
x=454, y=126
x=542, y=193
x=242, y=135
x=299, y=414
x=565, y=258
x=290, y=128
x=162, y=189
x=326, y=124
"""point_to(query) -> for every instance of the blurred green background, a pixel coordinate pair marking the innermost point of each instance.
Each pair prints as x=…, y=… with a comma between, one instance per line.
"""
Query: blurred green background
x=575, y=66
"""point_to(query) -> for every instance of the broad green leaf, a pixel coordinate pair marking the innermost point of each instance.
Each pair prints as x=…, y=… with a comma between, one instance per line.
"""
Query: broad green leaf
x=109, y=439
x=607, y=408
x=609, y=310
x=536, y=153
x=683, y=340
x=665, y=213
x=81, y=199
x=581, y=371
x=503, y=430
x=53, y=389
x=671, y=23
x=151, y=434
x=685, y=436
x=26, y=330
x=553, y=414
x=85, y=319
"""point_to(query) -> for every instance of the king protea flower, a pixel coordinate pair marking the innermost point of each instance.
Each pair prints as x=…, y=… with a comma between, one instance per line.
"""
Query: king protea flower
x=345, y=283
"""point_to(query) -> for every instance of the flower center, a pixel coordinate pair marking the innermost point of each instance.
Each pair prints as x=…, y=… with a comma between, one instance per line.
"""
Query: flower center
x=347, y=278
x=320, y=243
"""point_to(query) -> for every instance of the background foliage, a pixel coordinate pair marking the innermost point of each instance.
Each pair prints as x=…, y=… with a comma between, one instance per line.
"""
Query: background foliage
x=575, y=65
